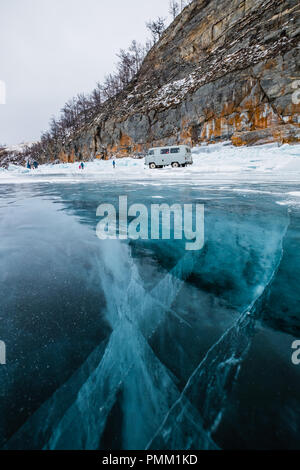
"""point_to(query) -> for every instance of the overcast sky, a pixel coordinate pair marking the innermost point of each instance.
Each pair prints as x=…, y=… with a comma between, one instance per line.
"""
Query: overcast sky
x=50, y=50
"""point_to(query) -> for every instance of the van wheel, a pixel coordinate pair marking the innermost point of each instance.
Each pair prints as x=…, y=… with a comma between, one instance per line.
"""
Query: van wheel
x=152, y=166
x=175, y=165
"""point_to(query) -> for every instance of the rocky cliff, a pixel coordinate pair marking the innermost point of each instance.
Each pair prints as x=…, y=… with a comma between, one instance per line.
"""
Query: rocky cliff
x=14, y=155
x=224, y=69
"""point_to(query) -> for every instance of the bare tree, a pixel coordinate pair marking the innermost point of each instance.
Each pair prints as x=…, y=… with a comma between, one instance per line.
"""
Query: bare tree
x=112, y=86
x=156, y=27
x=138, y=55
x=96, y=97
x=174, y=8
x=84, y=106
x=126, y=69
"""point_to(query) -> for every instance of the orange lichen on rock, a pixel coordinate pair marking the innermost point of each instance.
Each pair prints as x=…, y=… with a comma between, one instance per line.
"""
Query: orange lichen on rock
x=284, y=134
x=72, y=157
x=63, y=157
x=186, y=135
x=123, y=148
x=125, y=141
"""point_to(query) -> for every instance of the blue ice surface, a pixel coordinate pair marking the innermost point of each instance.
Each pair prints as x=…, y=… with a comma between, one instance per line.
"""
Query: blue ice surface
x=140, y=344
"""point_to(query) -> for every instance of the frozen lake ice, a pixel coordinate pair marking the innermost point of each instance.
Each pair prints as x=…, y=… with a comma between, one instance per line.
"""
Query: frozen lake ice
x=140, y=344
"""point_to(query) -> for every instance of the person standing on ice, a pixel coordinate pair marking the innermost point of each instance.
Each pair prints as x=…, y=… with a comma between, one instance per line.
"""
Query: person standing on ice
x=114, y=164
x=28, y=165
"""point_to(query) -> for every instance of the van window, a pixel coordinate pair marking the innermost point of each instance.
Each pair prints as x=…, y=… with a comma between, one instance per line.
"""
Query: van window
x=175, y=150
x=151, y=152
x=165, y=151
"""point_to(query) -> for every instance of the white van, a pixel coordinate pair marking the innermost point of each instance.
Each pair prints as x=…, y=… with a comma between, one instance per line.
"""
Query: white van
x=177, y=155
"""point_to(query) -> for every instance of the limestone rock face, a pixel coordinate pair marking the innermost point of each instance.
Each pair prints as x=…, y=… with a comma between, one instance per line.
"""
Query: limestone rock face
x=224, y=69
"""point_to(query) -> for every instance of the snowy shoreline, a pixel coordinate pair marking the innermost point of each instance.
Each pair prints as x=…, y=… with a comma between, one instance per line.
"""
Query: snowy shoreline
x=212, y=163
